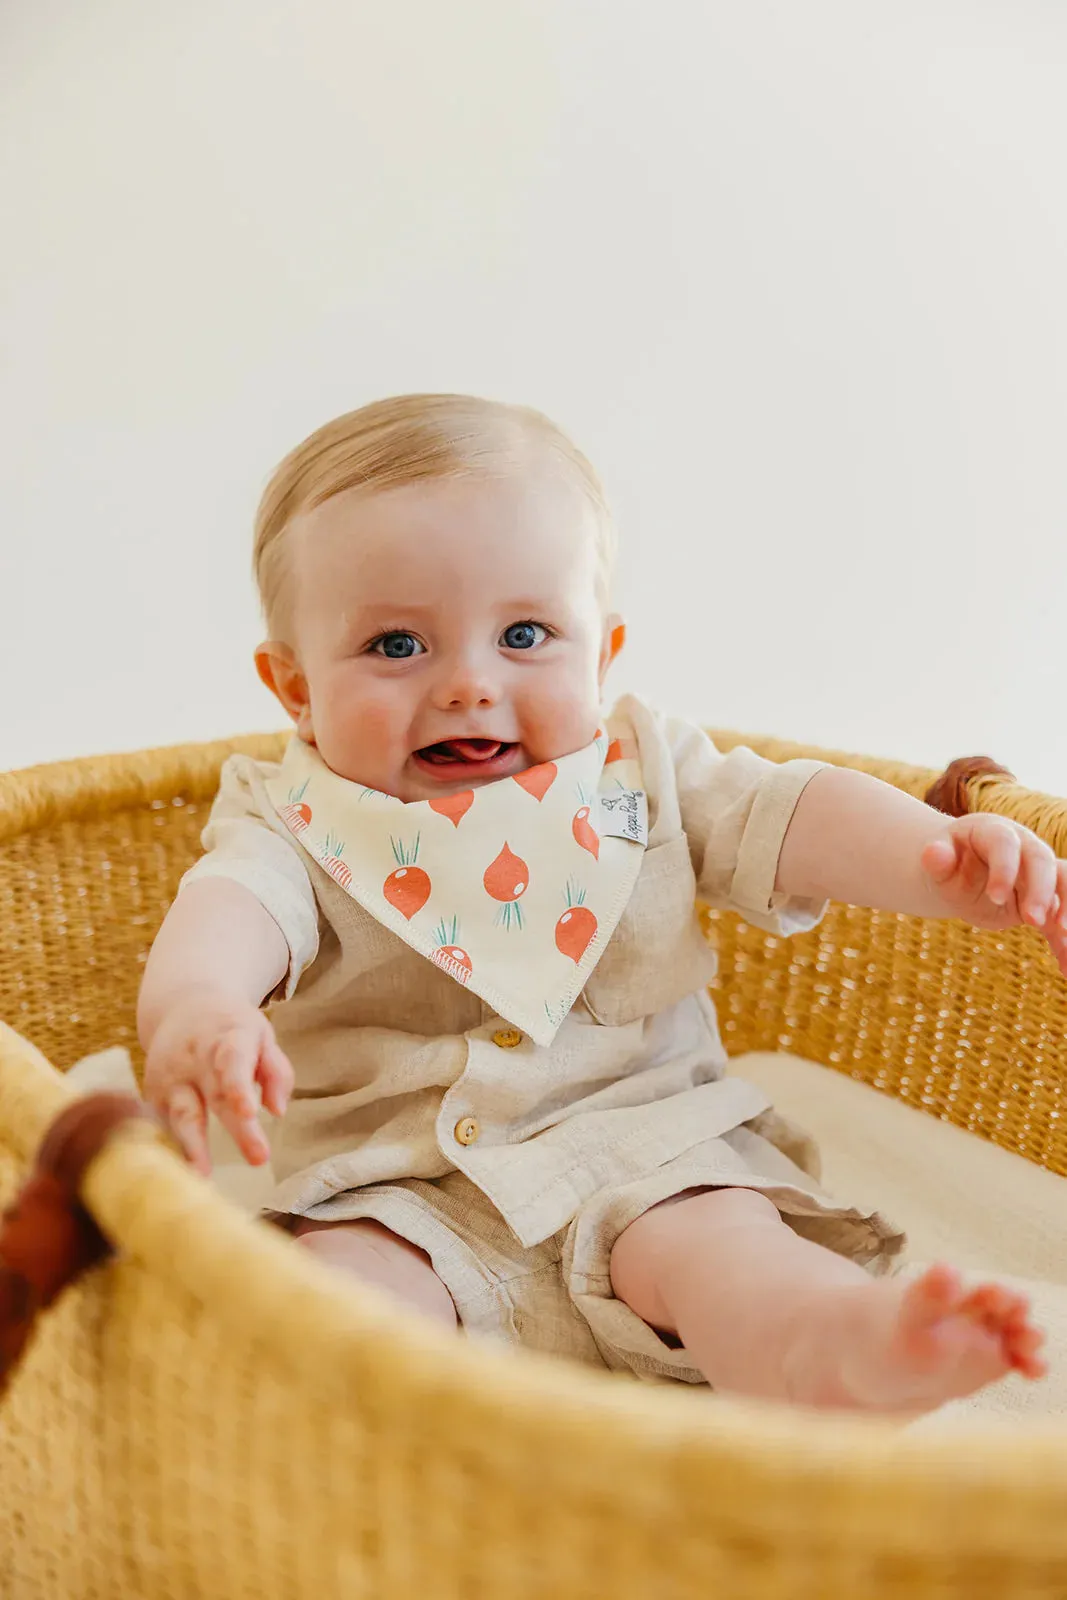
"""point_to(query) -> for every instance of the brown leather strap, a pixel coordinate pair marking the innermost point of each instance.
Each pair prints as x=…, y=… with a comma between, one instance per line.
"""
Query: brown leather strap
x=47, y=1237
x=950, y=792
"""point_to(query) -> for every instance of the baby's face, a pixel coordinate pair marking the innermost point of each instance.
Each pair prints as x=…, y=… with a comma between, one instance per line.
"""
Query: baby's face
x=447, y=634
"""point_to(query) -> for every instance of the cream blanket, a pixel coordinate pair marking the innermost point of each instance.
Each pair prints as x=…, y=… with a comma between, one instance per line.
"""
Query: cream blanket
x=959, y=1198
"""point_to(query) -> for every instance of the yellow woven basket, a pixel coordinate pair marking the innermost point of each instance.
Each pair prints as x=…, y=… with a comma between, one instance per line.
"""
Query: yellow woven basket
x=214, y=1414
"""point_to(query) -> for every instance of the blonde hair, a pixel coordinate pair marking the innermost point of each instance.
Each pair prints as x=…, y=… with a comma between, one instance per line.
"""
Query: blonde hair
x=411, y=439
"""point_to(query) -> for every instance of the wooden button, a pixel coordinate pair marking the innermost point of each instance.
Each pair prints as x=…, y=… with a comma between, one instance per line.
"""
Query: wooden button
x=507, y=1038
x=467, y=1130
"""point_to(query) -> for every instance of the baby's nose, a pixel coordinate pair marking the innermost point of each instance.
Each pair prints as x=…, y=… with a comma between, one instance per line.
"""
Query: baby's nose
x=467, y=685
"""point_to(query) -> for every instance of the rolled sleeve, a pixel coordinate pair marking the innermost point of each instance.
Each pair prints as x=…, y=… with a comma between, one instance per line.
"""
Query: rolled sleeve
x=736, y=810
x=752, y=892
x=242, y=846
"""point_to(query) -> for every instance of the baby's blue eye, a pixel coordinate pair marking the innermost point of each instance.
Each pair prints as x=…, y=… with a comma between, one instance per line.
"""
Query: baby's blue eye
x=523, y=635
x=397, y=646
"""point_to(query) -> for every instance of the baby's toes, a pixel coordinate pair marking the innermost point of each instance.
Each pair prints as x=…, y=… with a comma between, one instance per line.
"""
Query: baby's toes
x=1004, y=1316
x=1023, y=1345
x=931, y=1326
x=994, y=1307
x=931, y=1298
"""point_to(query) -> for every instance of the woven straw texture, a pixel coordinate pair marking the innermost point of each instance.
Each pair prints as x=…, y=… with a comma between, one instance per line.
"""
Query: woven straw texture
x=217, y=1415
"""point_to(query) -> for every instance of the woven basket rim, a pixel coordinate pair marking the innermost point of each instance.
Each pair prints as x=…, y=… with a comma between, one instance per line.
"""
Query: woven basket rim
x=55, y=792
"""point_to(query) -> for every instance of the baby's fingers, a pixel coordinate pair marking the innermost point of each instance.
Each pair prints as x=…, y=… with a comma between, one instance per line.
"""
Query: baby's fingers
x=186, y=1115
x=232, y=1097
x=245, y=1131
x=247, y=1135
x=275, y=1076
x=1038, y=876
x=234, y=1061
x=940, y=859
x=999, y=846
x=955, y=866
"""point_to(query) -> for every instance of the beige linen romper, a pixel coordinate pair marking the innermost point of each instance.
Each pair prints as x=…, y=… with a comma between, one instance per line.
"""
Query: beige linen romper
x=517, y=1166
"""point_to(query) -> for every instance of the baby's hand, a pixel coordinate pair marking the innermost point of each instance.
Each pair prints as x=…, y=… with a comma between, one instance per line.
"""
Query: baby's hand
x=207, y=1053
x=997, y=874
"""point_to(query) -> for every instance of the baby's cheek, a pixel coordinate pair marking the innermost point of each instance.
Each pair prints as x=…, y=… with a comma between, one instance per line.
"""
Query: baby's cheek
x=357, y=727
x=560, y=716
x=374, y=719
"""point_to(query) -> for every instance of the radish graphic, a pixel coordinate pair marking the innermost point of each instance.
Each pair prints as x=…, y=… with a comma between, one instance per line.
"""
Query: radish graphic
x=505, y=880
x=408, y=888
x=584, y=832
x=537, y=780
x=454, y=806
x=332, y=851
x=296, y=815
x=448, y=955
x=576, y=927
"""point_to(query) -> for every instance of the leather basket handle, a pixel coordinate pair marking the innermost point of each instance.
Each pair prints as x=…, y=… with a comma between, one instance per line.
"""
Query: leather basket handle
x=47, y=1237
x=950, y=792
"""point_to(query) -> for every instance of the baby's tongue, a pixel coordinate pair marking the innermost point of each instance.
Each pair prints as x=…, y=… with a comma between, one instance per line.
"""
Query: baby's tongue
x=470, y=749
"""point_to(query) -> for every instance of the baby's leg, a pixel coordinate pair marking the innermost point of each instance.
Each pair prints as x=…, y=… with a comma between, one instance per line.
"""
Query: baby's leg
x=763, y=1312
x=377, y=1255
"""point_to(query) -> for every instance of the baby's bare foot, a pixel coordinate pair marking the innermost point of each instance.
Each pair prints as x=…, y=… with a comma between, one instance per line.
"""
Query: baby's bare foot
x=910, y=1346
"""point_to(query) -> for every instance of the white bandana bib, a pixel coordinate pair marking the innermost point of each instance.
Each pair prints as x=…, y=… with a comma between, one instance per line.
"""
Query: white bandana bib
x=513, y=889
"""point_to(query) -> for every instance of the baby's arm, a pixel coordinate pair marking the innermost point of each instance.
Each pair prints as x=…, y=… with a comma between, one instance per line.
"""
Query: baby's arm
x=216, y=957
x=856, y=839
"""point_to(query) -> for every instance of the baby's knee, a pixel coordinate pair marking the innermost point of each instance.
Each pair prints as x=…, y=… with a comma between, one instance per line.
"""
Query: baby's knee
x=699, y=1211
x=379, y=1256
x=673, y=1233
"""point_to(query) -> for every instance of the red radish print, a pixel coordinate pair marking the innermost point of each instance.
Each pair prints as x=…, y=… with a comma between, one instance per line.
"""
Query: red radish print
x=296, y=817
x=454, y=806
x=505, y=880
x=537, y=780
x=449, y=955
x=585, y=834
x=576, y=927
x=456, y=962
x=574, y=930
x=331, y=859
x=408, y=888
x=507, y=877
x=338, y=869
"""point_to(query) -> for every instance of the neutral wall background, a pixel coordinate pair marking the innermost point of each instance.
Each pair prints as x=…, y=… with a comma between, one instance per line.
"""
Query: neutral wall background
x=792, y=274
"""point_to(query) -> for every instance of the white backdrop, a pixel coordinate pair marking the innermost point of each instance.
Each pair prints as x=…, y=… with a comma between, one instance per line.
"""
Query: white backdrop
x=794, y=275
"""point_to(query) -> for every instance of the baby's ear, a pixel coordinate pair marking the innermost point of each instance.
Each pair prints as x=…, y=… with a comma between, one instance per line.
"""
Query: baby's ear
x=614, y=639
x=280, y=671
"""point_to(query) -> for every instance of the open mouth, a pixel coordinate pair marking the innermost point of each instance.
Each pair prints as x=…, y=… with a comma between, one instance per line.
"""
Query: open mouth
x=465, y=752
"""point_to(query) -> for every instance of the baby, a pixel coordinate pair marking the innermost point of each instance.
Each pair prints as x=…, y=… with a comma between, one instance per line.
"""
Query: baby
x=468, y=893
